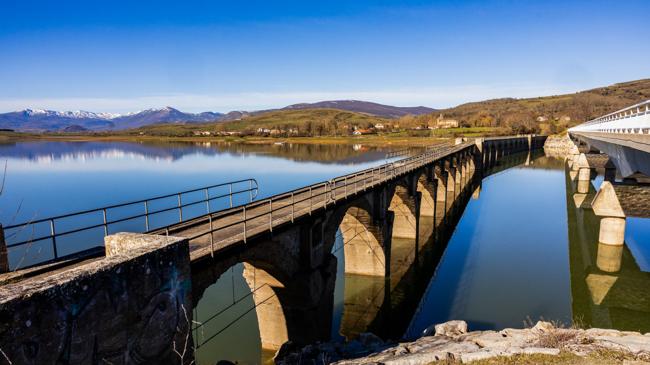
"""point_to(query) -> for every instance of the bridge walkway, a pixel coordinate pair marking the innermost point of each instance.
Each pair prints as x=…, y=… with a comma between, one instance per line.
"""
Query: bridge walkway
x=215, y=232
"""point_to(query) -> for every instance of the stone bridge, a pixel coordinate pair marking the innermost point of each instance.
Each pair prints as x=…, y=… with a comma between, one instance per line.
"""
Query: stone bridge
x=285, y=243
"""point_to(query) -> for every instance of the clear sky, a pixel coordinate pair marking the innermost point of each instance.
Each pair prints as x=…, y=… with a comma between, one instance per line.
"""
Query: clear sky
x=119, y=56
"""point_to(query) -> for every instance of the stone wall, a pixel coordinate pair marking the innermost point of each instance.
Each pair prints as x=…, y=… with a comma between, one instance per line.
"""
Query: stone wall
x=130, y=307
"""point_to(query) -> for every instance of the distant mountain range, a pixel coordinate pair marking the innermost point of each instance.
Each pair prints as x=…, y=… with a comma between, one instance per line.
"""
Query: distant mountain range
x=34, y=120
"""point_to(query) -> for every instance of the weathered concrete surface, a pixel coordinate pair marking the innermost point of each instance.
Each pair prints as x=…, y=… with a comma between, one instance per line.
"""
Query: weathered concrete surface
x=131, y=307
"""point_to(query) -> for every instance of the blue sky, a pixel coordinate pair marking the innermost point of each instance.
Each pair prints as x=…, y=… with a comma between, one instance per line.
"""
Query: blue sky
x=119, y=56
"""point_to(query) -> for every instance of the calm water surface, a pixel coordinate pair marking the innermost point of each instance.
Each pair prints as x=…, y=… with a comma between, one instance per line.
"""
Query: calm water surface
x=45, y=179
x=515, y=247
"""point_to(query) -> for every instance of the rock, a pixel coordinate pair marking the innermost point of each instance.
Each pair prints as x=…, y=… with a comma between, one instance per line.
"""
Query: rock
x=451, y=328
x=594, y=332
x=635, y=343
x=453, y=343
x=479, y=355
x=543, y=327
x=540, y=350
x=494, y=341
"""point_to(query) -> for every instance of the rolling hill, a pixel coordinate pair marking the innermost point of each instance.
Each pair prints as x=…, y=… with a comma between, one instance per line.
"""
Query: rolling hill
x=548, y=114
x=315, y=122
x=358, y=106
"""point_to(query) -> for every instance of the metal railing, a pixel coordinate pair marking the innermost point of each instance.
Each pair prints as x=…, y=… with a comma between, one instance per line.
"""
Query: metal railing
x=139, y=216
x=633, y=119
x=242, y=223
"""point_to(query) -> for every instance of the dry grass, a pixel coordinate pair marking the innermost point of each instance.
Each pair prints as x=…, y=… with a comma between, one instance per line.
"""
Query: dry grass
x=564, y=358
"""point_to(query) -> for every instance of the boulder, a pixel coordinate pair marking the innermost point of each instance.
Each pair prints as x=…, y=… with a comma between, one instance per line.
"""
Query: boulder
x=451, y=328
x=543, y=327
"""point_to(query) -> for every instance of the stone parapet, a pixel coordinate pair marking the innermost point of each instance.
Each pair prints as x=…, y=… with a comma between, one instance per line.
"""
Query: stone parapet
x=133, y=306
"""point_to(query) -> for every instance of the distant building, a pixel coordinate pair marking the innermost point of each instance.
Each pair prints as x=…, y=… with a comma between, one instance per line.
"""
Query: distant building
x=379, y=126
x=202, y=133
x=441, y=122
x=359, y=132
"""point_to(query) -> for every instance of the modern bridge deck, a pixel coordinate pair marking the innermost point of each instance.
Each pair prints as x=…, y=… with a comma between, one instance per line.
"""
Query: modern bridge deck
x=215, y=232
x=640, y=142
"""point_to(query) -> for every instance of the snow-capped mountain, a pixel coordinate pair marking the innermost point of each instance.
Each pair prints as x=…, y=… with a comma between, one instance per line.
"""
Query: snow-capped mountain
x=38, y=120
x=70, y=114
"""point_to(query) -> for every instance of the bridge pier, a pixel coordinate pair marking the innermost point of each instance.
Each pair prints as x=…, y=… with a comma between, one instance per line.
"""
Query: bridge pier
x=608, y=257
x=442, y=191
x=297, y=309
x=584, y=174
x=612, y=221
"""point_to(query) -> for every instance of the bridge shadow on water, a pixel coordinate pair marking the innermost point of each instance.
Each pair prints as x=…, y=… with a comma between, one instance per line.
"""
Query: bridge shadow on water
x=246, y=307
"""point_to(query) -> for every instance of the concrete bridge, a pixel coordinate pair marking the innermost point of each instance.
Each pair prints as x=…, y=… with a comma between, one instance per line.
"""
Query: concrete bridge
x=285, y=243
x=623, y=135
x=619, y=144
x=616, y=146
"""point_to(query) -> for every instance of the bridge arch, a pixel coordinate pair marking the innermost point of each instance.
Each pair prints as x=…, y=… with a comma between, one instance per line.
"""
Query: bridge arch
x=405, y=205
x=365, y=236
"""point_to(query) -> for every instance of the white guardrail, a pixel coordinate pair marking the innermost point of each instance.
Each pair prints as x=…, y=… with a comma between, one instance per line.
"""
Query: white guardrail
x=634, y=119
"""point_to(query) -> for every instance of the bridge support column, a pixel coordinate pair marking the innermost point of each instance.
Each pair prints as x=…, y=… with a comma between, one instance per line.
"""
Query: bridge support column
x=297, y=309
x=441, y=194
x=451, y=179
x=458, y=166
x=574, y=152
x=584, y=173
x=612, y=222
x=609, y=257
x=464, y=170
x=434, y=189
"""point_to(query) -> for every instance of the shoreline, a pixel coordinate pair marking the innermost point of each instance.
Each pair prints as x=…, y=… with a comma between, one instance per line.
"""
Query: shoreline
x=373, y=140
x=543, y=343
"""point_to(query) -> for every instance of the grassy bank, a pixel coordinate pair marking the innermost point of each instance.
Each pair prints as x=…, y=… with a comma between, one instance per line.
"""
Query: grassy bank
x=395, y=139
x=603, y=357
x=172, y=133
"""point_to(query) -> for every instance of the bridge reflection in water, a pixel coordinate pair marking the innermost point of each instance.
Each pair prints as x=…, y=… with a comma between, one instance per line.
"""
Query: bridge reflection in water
x=608, y=287
x=247, y=311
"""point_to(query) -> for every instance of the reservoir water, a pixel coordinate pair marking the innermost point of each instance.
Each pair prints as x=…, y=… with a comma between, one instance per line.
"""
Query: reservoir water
x=515, y=247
